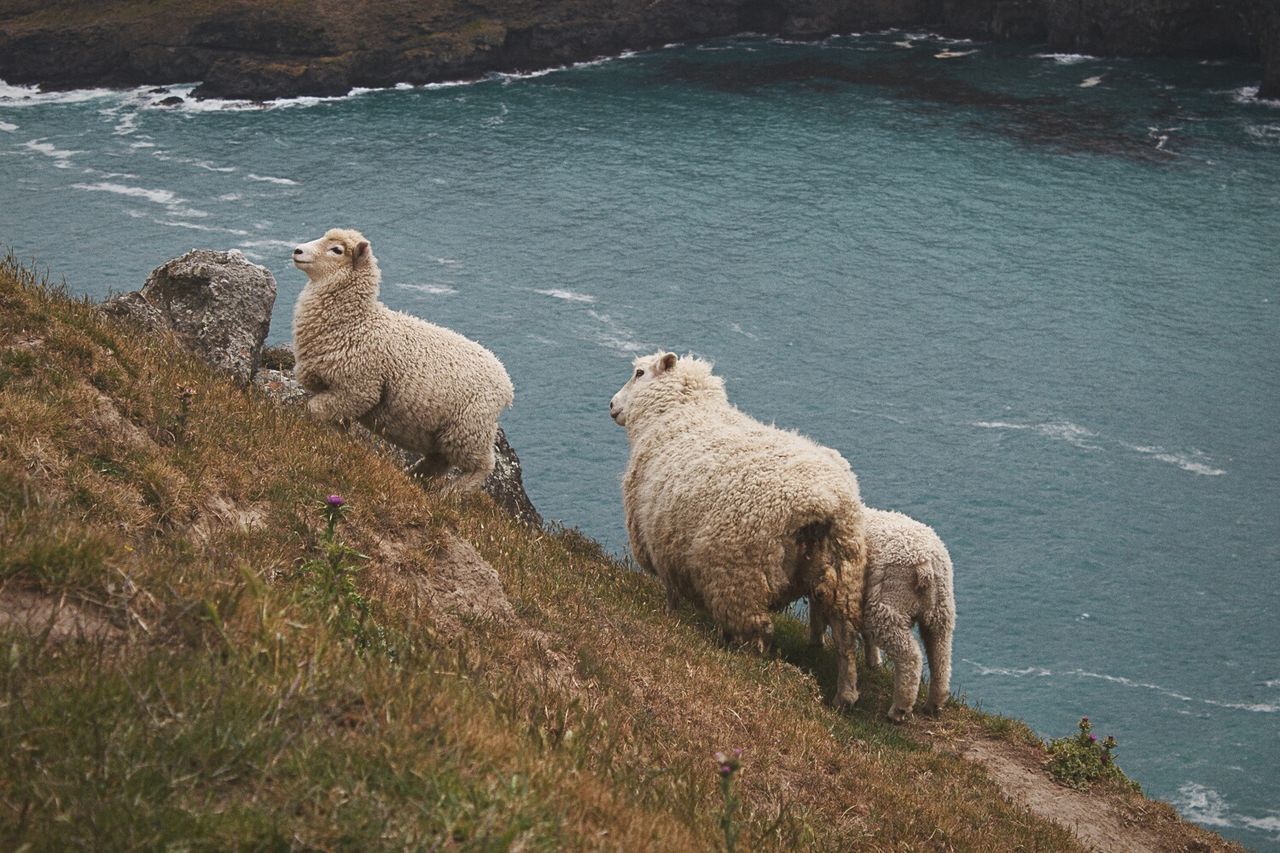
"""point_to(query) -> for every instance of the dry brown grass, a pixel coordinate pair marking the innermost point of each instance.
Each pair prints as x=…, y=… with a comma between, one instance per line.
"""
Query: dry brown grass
x=228, y=707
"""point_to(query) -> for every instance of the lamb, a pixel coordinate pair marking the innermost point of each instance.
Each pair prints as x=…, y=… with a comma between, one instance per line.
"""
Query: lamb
x=908, y=582
x=420, y=386
x=739, y=517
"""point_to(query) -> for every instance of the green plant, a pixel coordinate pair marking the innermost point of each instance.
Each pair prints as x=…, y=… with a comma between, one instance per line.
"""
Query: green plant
x=331, y=582
x=1080, y=760
x=727, y=767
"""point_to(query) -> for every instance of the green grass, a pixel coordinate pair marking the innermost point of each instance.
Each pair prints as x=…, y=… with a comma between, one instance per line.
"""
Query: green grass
x=263, y=686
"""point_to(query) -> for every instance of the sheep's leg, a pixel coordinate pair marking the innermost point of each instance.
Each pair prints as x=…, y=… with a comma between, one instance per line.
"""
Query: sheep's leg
x=817, y=625
x=937, y=645
x=846, y=643
x=871, y=651
x=432, y=464
x=471, y=451
x=742, y=619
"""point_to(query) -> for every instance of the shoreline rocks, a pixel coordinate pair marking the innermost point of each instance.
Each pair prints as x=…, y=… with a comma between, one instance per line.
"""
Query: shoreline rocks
x=249, y=51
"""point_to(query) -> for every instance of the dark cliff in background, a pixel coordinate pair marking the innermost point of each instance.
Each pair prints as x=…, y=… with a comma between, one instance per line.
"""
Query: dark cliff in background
x=244, y=49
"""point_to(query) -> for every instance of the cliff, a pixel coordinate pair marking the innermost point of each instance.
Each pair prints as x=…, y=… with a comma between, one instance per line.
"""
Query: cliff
x=244, y=49
x=228, y=627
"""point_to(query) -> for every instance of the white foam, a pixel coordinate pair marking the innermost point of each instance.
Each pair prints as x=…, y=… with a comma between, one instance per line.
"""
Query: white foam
x=61, y=156
x=1275, y=682
x=1067, y=58
x=7, y=128
x=29, y=96
x=735, y=327
x=953, y=54
x=1043, y=672
x=1072, y=434
x=431, y=289
x=1204, y=805
x=448, y=262
x=1196, y=461
x=268, y=244
x=1249, y=95
x=196, y=226
x=230, y=197
x=568, y=295
x=157, y=196
x=617, y=337
x=1090, y=82
x=269, y=179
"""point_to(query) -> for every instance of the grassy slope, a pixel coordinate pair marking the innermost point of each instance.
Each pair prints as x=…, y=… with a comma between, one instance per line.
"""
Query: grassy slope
x=226, y=705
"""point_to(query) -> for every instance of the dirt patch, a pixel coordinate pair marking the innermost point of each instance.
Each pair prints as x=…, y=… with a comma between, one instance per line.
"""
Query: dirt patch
x=1106, y=821
x=37, y=612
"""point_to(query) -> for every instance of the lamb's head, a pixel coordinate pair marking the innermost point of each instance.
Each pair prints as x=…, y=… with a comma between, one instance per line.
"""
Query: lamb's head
x=338, y=252
x=645, y=370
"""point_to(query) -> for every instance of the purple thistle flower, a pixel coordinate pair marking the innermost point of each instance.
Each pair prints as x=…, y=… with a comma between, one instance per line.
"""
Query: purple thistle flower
x=334, y=501
x=1093, y=738
x=725, y=769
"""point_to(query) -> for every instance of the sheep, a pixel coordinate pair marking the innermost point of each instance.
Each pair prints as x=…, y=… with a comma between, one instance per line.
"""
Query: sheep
x=420, y=386
x=739, y=517
x=908, y=582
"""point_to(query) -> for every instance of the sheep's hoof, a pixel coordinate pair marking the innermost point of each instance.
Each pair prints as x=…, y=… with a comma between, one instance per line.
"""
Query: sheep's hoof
x=845, y=700
x=898, y=715
x=931, y=709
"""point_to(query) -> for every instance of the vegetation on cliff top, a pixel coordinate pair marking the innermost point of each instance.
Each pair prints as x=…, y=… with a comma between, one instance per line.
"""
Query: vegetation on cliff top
x=196, y=651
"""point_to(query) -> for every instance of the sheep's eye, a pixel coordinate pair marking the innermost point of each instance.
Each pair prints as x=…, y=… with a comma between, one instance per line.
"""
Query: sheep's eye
x=639, y=372
x=337, y=250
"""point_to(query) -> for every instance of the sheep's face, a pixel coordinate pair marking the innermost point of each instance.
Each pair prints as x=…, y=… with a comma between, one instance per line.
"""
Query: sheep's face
x=338, y=250
x=643, y=371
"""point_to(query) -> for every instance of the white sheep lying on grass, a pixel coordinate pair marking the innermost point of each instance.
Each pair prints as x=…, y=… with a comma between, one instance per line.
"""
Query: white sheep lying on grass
x=740, y=517
x=908, y=582
x=421, y=386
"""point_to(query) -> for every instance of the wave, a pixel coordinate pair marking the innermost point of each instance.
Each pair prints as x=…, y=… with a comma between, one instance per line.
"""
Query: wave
x=158, y=196
x=269, y=179
x=196, y=226
x=432, y=289
x=268, y=244
x=61, y=156
x=1204, y=805
x=1043, y=672
x=6, y=127
x=568, y=296
x=1249, y=95
x=30, y=96
x=1193, y=462
x=737, y=328
x=1073, y=434
x=1090, y=82
x=617, y=337
x=1067, y=58
x=953, y=54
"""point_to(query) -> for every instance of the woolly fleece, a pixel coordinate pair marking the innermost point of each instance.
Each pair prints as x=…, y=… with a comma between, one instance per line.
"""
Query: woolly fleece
x=740, y=517
x=421, y=386
x=909, y=582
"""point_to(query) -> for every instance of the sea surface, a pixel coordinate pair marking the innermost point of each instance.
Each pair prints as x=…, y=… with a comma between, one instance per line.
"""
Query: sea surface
x=1034, y=299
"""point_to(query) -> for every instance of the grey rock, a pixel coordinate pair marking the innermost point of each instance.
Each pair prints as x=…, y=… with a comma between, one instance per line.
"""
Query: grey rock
x=217, y=304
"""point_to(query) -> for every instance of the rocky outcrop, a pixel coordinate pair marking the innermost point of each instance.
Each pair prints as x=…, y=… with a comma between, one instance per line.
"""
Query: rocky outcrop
x=1270, y=28
x=217, y=304
x=245, y=49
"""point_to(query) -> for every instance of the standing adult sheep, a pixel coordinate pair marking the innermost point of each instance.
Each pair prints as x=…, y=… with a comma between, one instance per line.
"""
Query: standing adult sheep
x=909, y=582
x=421, y=386
x=740, y=517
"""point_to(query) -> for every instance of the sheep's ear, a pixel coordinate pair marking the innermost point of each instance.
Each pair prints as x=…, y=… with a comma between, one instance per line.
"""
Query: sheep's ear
x=361, y=252
x=667, y=362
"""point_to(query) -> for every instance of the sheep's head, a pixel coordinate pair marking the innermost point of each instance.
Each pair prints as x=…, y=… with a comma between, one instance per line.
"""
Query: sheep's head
x=644, y=370
x=339, y=250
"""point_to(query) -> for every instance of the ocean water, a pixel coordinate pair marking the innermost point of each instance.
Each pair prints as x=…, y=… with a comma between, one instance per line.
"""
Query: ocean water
x=1034, y=299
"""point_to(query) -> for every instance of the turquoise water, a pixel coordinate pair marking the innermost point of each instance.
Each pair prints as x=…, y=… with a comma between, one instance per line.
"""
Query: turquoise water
x=1033, y=299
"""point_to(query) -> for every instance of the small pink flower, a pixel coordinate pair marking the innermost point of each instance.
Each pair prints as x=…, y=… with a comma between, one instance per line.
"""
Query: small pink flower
x=334, y=501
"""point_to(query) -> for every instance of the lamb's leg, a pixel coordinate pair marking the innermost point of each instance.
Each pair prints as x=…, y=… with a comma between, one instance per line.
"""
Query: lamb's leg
x=904, y=651
x=817, y=625
x=870, y=651
x=937, y=645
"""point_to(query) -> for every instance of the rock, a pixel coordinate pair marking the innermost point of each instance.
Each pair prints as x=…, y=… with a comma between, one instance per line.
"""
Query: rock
x=1270, y=34
x=216, y=303
x=171, y=101
x=505, y=485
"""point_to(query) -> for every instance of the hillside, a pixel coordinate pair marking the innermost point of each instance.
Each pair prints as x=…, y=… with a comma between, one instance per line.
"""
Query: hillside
x=191, y=659
x=242, y=49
